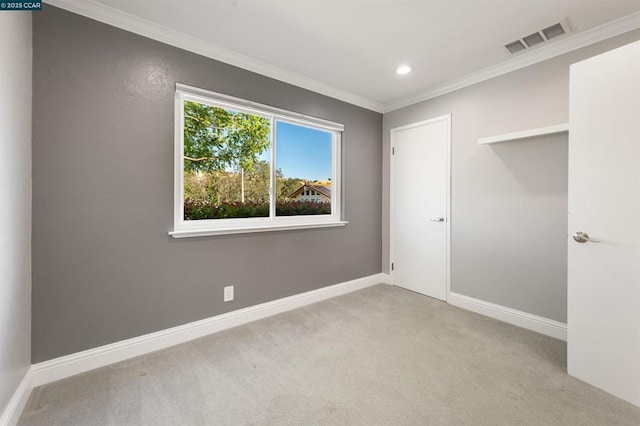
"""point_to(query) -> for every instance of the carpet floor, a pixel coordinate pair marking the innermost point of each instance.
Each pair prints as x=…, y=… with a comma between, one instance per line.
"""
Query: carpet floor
x=378, y=356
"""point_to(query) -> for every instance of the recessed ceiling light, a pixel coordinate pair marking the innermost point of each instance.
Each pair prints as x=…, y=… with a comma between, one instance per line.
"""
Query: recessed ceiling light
x=403, y=69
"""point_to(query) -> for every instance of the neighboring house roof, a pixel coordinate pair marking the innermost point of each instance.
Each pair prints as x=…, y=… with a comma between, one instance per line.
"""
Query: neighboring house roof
x=323, y=188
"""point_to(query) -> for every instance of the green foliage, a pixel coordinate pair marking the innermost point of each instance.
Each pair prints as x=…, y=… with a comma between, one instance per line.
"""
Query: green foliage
x=198, y=210
x=194, y=210
x=201, y=187
x=216, y=139
x=225, y=187
x=296, y=208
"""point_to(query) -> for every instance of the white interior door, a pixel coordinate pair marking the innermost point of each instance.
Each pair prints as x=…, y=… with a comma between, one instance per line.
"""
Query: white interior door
x=603, y=330
x=420, y=206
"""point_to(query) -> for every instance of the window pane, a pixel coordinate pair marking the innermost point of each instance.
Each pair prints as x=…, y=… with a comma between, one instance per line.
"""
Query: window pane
x=303, y=170
x=226, y=163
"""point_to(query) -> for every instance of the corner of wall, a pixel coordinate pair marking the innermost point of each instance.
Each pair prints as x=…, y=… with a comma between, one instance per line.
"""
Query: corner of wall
x=16, y=50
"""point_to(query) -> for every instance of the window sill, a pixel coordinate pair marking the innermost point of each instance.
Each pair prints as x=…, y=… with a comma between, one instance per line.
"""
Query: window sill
x=188, y=233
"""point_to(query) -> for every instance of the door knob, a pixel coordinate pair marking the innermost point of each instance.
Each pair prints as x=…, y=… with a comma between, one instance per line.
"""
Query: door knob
x=581, y=237
x=438, y=219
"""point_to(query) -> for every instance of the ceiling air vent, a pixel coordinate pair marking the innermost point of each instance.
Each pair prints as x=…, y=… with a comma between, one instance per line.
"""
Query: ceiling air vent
x=538, y=38
x=516, y=46
x=533, y=39
x=555, y=31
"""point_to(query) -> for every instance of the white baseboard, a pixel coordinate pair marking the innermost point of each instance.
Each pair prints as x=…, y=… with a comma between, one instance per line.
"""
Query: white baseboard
x=512, y=316
x=70, y=365
x=11, y=413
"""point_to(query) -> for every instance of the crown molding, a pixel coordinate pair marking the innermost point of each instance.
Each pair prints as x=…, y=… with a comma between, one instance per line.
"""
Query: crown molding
x=126, y=21
x=551, y=50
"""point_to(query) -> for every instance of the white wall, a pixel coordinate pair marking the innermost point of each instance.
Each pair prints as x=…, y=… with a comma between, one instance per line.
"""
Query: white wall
x=509, y=201
x=15, y=201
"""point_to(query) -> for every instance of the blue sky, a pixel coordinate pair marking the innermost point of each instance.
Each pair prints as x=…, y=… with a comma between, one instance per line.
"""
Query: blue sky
x=302, y=152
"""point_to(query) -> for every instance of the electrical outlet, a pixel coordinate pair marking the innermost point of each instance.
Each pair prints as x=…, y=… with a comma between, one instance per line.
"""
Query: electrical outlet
x=228, y=293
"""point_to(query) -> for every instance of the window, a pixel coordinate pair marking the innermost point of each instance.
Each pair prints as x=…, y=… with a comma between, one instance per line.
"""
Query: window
x=245, y=167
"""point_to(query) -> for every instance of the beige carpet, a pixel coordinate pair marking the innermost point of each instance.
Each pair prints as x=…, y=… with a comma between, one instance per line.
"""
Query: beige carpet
x=379, y=356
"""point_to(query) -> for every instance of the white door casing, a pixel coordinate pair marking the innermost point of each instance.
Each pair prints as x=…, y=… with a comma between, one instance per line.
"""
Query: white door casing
x=603, y=327
x=420, y=206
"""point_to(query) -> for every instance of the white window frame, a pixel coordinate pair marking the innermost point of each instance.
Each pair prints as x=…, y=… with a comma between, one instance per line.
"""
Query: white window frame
x=195, y=228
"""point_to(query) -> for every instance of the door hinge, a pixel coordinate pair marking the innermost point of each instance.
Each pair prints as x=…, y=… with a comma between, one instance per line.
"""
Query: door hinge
x=392, y=266
x=393, y=151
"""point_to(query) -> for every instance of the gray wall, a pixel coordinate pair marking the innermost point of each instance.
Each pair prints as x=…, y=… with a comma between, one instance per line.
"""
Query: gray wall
x=509, y=201
x=15, y=201
x=104, y=268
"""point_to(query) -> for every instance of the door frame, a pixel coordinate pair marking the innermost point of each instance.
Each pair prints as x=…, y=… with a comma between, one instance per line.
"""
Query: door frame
x=392, y=132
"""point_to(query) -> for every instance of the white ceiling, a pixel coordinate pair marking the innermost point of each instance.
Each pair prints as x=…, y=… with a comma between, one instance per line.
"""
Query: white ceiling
x=354, y=46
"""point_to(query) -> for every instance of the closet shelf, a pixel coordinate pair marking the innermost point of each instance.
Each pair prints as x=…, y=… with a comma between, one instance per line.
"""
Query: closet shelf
x=549, y=130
